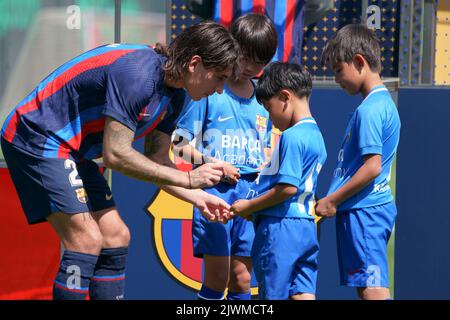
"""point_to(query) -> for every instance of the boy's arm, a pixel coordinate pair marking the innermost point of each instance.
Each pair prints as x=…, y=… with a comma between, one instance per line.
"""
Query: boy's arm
x=281, y=192
x=326, y=207
x=290, y=162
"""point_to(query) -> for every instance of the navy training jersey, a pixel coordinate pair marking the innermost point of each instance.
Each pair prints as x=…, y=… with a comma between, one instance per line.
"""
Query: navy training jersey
x=297, y=160
x=287, y=16
x=229, y=128
x=374, y=128
x=64, y=116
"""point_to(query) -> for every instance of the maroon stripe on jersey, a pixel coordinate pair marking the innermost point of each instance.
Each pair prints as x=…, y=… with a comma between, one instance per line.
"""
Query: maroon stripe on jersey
x=74, y=144
x=154, y=124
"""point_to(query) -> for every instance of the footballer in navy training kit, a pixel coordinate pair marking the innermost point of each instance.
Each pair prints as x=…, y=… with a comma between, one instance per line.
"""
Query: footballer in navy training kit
x=281, y=201
x=231, y=128
x=359, y=194
x=96, y=105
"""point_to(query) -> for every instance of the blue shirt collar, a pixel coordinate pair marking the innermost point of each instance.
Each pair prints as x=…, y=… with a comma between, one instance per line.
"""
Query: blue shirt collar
x=305, y=120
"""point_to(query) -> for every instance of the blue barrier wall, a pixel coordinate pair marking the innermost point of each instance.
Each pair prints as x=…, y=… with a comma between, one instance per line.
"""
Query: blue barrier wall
x=422, y=254
x=147, y=277
x=332, y=109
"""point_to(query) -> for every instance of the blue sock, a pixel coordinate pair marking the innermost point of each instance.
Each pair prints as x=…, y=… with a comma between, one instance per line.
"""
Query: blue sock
x=73, y=277
x=108, y=282
x=239, y=295
x=209, y=294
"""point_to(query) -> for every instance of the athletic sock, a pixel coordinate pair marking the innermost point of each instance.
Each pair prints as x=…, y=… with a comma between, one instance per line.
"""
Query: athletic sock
x=209, y=294
x=239, y=295
x=73, y=278
x=108, y=282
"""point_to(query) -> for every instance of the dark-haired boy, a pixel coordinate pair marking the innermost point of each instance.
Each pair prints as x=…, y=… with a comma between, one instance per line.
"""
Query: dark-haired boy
x=281, y=201
x=359, y=194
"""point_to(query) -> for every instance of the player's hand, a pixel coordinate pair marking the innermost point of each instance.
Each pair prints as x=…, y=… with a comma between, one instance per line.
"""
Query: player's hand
x=230, y=173
x=206, y=175
x=212, y=208
x=326, y=207
x=241, y=208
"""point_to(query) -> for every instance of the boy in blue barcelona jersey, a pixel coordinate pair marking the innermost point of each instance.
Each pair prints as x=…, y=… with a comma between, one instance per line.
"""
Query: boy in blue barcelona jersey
x=96, y=105
x=359, y=194
x=231, y=128
x=281, y=201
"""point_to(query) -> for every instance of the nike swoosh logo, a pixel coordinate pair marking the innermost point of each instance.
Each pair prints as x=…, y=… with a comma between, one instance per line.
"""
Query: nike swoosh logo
x=108, y=196
x=224, y=119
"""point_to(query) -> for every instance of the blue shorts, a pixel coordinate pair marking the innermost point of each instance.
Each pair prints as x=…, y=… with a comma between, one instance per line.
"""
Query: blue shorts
x=362, y=237
x=48, y=185
x=284, y=257
x=234, y=238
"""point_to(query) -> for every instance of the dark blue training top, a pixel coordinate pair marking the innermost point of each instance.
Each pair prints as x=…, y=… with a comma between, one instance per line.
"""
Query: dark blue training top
x=64, y=116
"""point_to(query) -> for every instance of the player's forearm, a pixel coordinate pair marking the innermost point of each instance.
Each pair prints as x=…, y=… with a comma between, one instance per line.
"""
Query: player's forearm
x=133, y=164
x=178, y=192
x=274, y=196
x=361, y=179
x=119, y=155
x=184, y=194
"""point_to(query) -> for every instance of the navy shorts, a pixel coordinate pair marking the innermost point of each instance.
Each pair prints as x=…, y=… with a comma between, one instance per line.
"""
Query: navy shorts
x=48, y=185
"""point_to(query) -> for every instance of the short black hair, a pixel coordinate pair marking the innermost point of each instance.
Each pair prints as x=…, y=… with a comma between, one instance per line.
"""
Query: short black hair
x=351, y=40
x=283, y=75
x=257, y=37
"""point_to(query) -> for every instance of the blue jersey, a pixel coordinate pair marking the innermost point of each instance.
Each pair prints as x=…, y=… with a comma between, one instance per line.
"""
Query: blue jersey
x=228, y=128
x=287, y=16
x=64, y=116
x=297, y=160
x=374, y=128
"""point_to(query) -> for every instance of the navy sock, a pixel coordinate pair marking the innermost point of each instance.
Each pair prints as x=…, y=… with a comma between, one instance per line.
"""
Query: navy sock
x=209, y=294
x=73, y=277
x=108, y=282
x=239, y=295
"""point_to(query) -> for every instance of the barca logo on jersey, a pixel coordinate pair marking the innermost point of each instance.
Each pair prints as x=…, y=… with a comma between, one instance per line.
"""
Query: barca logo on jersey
x=261, y=123
x=81, y=195
x=349, y=135
x=163, y=115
